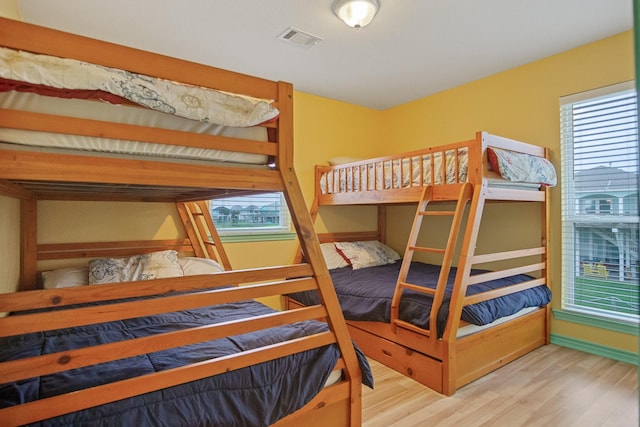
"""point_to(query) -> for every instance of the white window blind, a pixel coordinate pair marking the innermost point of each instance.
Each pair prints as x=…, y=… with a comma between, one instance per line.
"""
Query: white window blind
x=599, y=137
x=253, y=214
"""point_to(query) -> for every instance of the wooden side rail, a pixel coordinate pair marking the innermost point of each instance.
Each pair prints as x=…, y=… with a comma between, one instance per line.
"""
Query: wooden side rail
x=16, y=370
x=25, y=120
x=49, y=251
x=400, y=178
x=86, y=398
x=33, y=38
x=29, y=300
x=430, y=166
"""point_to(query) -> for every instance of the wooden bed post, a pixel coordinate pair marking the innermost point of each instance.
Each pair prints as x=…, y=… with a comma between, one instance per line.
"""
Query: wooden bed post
x=460, y=286
x=382, y=223
x=28, y=244
x=546, y=232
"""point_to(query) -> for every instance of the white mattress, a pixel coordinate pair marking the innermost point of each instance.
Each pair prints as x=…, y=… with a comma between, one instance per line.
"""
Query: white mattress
x=471, y=329
x=128, y=115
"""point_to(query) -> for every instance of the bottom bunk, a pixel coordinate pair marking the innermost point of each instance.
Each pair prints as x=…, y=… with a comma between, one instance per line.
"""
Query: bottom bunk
x=471, y=357
x=255, y=395
x=104, y=345
x=490, y=334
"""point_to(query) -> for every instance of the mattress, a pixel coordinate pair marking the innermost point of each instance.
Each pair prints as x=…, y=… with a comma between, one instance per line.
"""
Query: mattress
x=65, y=77
x=257, y=395
x=365, y=294
x=469, y=329
x=125, y=114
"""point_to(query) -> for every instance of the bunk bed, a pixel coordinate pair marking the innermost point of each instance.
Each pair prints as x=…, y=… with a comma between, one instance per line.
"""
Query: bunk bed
x=447, y=324
x=83, y=119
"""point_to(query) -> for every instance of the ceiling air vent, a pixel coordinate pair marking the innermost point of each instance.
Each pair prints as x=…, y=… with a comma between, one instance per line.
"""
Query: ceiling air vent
x=299, y=38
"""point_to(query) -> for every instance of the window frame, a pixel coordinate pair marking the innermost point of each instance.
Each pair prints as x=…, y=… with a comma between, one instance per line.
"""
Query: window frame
x=588, y=212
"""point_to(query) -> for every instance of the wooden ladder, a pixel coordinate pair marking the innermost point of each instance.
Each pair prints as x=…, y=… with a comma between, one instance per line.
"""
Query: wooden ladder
x=464, y=195
x=202, y=233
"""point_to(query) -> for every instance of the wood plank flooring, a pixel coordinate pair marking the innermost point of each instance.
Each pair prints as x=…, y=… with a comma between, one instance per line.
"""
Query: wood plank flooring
x=551, y=386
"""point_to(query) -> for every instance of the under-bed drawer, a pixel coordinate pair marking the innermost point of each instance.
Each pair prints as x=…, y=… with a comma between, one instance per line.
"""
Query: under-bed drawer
x=415, y=365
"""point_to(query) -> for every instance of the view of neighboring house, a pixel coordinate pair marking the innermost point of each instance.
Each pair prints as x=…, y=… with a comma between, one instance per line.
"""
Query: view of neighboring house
x=246, y=216
x=607, y=231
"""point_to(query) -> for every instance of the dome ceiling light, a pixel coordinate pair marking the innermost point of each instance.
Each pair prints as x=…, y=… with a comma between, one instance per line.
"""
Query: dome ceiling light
x=356, y=13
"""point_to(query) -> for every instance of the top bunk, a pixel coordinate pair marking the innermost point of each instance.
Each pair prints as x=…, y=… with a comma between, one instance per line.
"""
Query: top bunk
x=506, y=169
x=84, y=119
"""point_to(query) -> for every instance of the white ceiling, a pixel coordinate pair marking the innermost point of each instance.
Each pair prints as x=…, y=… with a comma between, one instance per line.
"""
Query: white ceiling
x=412, y=49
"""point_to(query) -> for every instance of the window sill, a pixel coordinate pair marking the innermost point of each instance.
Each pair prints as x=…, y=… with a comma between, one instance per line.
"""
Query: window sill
x=597, y=322
x=257, y=237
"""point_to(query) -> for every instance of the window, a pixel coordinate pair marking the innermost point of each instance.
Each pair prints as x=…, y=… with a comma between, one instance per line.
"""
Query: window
x=599, y=136
x=264, y=214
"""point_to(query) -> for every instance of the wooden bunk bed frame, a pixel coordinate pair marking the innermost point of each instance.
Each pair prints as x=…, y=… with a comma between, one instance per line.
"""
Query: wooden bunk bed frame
x=31, y=176
x=444, y=364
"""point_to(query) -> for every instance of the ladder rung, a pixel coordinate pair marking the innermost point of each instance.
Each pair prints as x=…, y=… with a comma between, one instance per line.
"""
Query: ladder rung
x=417, y=288
x=423, y=249
x=437, y=213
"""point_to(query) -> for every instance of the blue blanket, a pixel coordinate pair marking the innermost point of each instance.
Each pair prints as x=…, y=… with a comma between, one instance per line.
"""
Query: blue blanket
x=257, y=395
x=365, y=294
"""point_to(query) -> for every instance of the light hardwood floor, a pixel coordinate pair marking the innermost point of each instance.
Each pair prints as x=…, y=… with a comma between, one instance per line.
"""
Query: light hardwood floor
x=551, y=386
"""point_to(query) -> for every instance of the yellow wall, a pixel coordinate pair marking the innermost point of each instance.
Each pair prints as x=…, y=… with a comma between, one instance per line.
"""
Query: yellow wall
x=522, y=103
x=9, y=244
x=9, y=9
x=324, y=129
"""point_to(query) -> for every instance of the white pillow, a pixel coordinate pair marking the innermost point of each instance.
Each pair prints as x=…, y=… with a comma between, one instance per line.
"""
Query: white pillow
x=65, y=277
x=332, y=257
x=192, y=266
x=155, y=265
x=368, y=253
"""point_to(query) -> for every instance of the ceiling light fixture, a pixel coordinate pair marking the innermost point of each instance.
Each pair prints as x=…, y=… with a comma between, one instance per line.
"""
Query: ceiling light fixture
x=356, y=13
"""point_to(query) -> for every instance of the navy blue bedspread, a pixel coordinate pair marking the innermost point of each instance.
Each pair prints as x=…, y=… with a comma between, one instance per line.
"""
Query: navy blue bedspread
x=257, y=395
x=365, y=294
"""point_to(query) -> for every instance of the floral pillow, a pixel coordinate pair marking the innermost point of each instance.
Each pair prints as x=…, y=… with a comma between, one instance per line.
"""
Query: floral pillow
x=155, y=265
x=368, y=253
x=521, y=167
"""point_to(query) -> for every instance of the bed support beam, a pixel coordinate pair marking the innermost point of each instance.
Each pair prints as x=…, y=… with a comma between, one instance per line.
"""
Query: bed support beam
x=9, y=189
x=28, y=244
